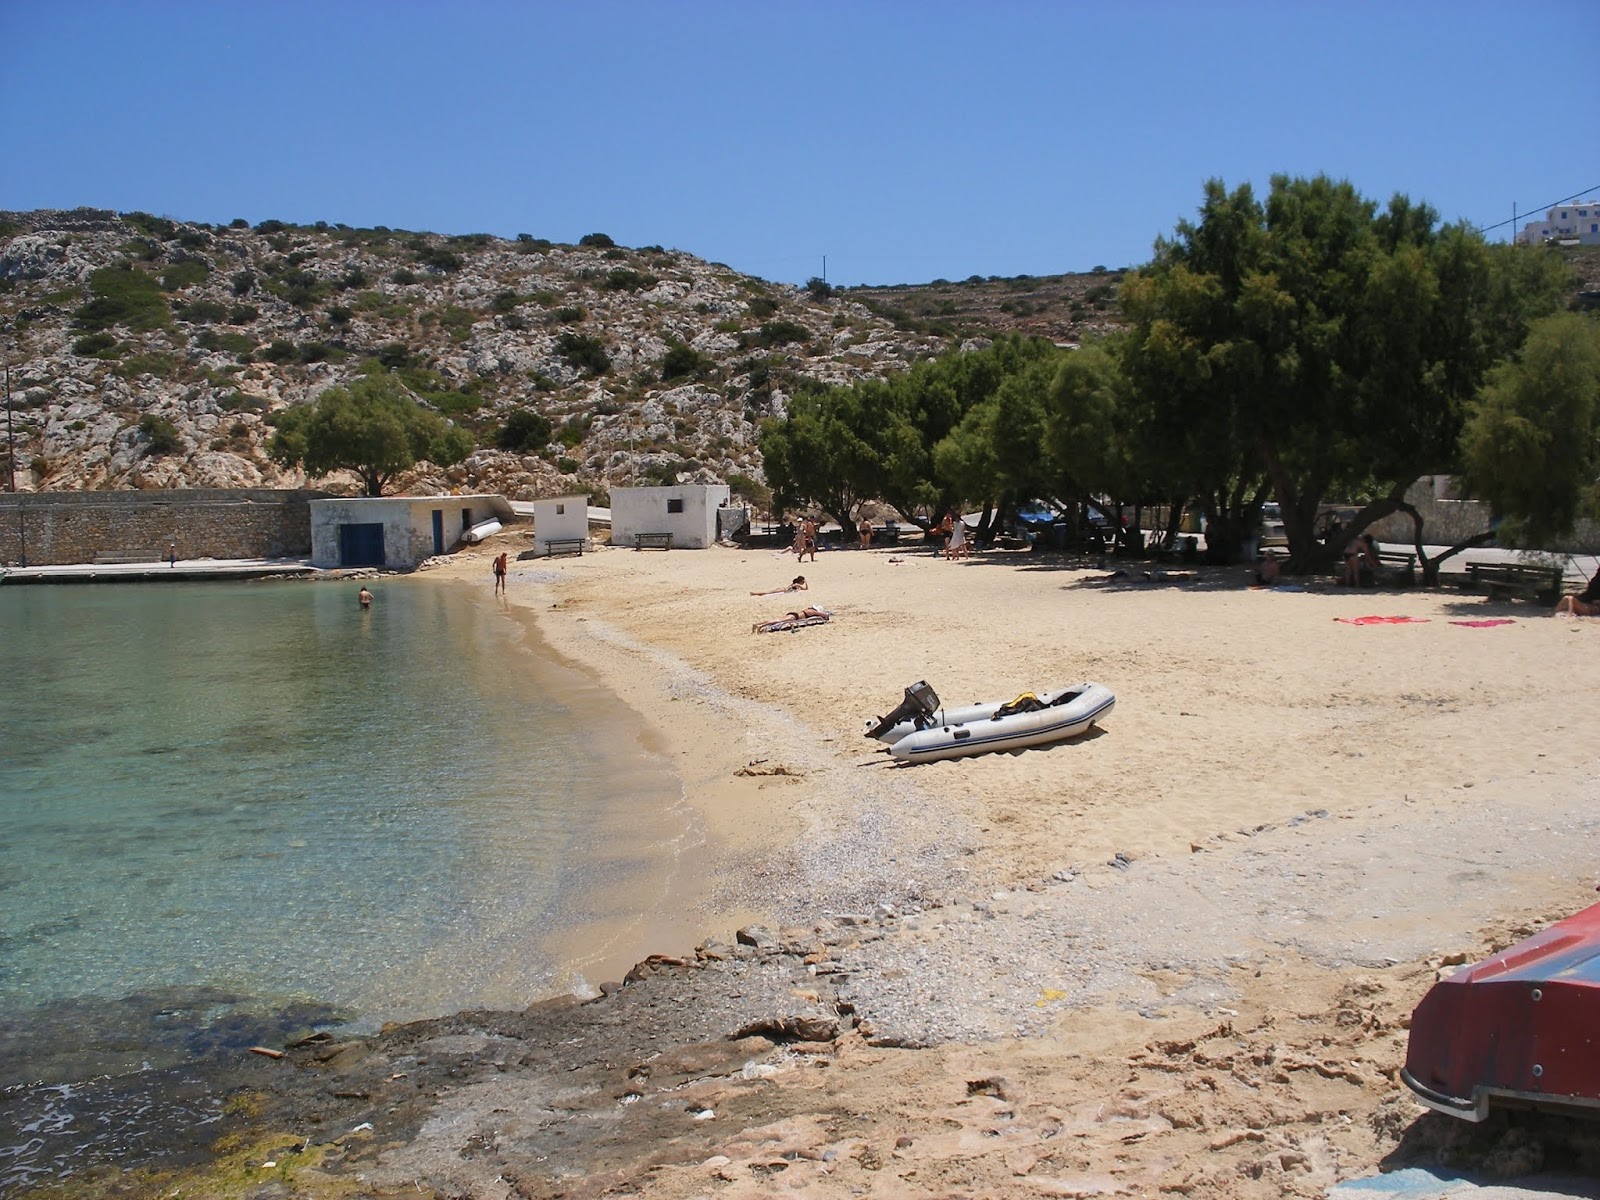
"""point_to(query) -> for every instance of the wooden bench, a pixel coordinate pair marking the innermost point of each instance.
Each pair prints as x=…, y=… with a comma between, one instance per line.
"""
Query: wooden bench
x=1495, y=580
x=1401, y=563
x=565, y=546
x=103, y=559
x=655, y=541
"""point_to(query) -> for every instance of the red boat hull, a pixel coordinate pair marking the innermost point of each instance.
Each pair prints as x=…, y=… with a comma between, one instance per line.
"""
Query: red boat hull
x=1521, y=1028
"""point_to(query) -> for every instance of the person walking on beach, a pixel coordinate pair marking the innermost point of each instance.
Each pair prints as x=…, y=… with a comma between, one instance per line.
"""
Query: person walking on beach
x=864, y=529
x=809, y=546
x=500, y=572
x=364, y=597
x=172, y=554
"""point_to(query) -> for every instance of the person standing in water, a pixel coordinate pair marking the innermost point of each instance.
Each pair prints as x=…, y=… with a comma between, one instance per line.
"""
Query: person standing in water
x=500, y=572
x=364, y=597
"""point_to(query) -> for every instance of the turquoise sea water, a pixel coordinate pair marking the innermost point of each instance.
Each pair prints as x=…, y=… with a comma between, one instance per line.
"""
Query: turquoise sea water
x=220, y=799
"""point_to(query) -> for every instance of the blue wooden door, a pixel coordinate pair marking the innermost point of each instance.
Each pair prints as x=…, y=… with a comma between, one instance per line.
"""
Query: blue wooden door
x=361, y=545
x=438, y=531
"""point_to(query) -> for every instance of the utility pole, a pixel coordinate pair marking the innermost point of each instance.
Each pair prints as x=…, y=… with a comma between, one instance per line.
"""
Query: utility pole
x=824, y=268
x=11, y=440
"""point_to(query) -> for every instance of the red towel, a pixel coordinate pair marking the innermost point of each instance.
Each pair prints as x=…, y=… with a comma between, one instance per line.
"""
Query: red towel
x=1382, y=620
x=1488, y=624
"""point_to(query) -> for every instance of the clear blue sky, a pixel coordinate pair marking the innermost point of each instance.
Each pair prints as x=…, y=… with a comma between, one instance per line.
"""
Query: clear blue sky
x=905, y=141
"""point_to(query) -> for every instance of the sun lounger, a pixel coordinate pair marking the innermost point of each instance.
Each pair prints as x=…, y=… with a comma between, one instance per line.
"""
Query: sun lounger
x=783, y=624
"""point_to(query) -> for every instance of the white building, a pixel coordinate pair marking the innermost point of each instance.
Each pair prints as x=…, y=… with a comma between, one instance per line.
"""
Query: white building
x=687, y=512
x=563, y=520
x=1578, y=222
x=395, y=531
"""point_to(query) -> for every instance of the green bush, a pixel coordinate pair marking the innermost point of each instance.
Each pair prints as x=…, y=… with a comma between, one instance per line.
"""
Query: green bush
x=184, y=274
x=93, y=345
x=156, y=227
x=315, y=352
x=237, y=401
x=455, y=321
x=271, y=227
x=160, y=434
x=339, y=314
x=585, y=353
x=280, y=351
x=762, y=307
x=625, y=279
x=683, y=362
x=437, y=258
x=403, y=277
x=818, y=288
x=525, y=431
x=162, y=366
x=123, y=296
x=781, y=333
x=574, y=429
x=528, y=244
x=242, y=282
x=243, y=314
x=201, y=312
x=395, y=355
x=232, y=343
x=568, y=314
x=567, y=465
x=505, y=302
x=597, y=240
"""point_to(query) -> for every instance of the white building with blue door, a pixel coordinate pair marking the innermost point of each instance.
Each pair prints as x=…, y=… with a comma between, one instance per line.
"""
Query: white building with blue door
x=396, y=532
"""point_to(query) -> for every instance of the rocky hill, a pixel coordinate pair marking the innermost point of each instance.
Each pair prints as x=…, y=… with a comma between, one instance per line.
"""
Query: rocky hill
x=149, y=353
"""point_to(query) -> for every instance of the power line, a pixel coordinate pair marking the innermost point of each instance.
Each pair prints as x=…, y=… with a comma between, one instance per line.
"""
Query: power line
x=1552, y=204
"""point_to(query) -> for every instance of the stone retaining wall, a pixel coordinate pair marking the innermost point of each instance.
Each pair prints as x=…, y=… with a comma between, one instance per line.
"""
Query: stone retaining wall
x=57, y=528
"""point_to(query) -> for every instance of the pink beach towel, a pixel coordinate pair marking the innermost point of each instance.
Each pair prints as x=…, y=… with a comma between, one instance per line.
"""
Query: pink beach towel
x=1488, y=624
x=1382, y=620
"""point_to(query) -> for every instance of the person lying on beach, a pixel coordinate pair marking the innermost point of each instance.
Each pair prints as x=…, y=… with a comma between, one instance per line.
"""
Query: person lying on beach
x=1582, y=604
x=797, y=584
x=809, y=615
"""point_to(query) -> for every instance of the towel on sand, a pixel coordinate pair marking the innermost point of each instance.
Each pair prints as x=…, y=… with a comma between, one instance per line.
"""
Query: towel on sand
x=1487, y=624
x=1382, y=620
x=786, y=623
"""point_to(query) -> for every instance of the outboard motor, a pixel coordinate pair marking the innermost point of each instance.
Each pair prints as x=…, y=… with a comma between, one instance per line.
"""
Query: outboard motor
x=921, y=702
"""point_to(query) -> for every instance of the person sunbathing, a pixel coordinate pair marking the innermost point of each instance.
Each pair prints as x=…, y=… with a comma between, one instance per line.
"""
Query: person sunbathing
x=1582, y=604
x=797, y=584
x=808, y=615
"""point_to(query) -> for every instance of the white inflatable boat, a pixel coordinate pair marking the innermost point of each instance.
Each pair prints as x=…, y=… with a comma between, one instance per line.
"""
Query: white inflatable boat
x=920, y=731
x=480, y=531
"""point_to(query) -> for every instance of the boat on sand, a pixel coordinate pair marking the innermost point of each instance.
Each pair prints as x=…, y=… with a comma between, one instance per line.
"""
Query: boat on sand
x=920, y=730
x=1515, y=1030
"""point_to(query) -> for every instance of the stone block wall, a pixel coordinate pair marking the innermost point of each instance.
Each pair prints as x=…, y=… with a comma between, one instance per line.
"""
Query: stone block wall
x=56, y=528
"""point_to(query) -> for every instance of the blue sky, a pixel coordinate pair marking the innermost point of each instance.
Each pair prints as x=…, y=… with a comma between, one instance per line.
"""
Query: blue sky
x=903, y=141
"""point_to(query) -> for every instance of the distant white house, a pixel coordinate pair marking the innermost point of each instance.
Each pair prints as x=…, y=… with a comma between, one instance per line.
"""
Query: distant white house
x=563, y=520
x=395, y=531
x=688, y=512
x=1575, y=222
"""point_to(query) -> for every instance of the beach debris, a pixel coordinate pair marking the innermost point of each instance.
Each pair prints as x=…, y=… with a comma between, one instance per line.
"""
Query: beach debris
x=757, y=768
x=364, y=1127
x=266, y=1051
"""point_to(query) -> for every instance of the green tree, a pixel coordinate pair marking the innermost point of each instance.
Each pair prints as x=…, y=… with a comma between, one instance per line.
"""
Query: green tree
x=1314, y=345
x=525, y=430
x=372, y=427
x=1531, y=445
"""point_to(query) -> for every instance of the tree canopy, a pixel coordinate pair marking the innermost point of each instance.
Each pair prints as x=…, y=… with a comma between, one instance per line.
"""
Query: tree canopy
x=1532, y=441
x=372, y=427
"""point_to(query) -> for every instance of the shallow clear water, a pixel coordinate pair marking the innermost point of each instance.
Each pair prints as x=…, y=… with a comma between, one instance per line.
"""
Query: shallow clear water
x=258, y=794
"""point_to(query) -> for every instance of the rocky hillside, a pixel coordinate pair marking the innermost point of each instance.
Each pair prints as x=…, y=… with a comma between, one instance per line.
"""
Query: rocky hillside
x=148, y=353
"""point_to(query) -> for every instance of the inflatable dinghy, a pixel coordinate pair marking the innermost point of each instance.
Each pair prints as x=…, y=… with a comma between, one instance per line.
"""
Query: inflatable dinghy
x=480, y=531
x=920, y=731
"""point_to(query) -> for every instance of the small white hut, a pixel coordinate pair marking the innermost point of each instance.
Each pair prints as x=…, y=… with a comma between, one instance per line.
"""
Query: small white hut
x=560, y=525
x=682, y=517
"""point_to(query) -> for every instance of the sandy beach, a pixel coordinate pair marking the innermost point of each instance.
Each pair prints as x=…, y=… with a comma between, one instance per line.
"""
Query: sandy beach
x=1176, y=955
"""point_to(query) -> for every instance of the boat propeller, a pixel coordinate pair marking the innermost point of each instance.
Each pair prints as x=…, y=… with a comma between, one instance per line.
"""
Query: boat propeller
x=921, y=701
